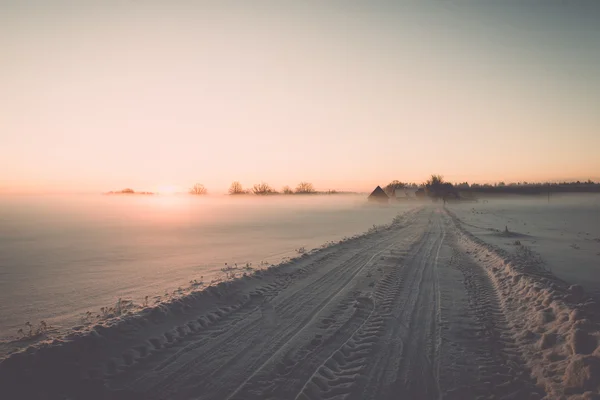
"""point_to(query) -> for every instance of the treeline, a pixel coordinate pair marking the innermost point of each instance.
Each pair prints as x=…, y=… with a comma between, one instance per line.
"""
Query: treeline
x=436, y=187
x=127, y=191
x=588, y=186
x=264, y=189
x=391, y=187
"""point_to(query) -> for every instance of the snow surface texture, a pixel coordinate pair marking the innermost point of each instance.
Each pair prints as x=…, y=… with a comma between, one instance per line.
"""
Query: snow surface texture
x=420, y=309
x=565, y=232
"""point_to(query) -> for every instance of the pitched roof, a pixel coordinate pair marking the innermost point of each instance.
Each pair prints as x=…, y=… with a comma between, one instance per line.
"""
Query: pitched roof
x=379, y=193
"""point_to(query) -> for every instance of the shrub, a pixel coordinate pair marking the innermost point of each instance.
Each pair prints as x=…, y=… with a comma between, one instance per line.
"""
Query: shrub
x=236, y=188
x=305, y=188
x=262, y=189
x=198, y=189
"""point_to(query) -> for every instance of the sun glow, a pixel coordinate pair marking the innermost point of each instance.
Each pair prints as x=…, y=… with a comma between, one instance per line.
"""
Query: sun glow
x=168, y=189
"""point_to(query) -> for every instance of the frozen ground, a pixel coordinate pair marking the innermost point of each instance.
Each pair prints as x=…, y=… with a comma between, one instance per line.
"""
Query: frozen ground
x=565, y=231
x=421, y=309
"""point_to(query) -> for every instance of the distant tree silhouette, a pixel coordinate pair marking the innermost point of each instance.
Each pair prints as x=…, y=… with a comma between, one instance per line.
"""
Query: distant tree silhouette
x=438, y=189
x=198, y=189
x=531, y=188
x=262, y=189
x=391, y=187
x=127, y=191
x=236, y=188
x=287, y=190
x=305, y=188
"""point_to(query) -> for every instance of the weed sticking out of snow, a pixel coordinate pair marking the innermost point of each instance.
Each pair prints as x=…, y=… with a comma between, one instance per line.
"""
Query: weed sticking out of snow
x=301, y=250
x=31, y=333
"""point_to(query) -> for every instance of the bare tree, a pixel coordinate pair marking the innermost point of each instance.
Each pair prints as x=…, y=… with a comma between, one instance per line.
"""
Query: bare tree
x=198, y=189
x=236, y=188
x=435, y=180
x=287, y=190
x=262, y=189
x=305, y=188
x=437, y=188
x=433, y=186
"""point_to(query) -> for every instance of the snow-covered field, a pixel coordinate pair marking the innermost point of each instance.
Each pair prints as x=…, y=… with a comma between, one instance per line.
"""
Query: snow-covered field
x=564, y=232
x=420, y=309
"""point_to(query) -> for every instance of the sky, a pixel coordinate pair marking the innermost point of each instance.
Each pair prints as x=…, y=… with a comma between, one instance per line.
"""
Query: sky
x=159, y=95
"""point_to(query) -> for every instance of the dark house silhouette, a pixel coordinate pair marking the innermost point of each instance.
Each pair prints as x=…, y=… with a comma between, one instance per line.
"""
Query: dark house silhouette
x=378, y=196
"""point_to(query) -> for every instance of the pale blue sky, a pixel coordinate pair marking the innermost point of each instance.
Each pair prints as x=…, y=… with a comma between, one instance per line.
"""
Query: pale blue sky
x=149, y=94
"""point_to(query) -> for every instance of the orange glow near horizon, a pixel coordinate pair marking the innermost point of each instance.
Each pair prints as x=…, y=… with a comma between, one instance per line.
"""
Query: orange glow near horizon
x=168, y=190
x=158, y=97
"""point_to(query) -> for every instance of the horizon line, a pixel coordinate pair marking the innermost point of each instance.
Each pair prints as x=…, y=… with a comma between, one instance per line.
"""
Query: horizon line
x=15, y=191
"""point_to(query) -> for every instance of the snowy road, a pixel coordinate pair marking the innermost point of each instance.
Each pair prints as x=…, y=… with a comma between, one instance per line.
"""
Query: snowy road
x=404, y=315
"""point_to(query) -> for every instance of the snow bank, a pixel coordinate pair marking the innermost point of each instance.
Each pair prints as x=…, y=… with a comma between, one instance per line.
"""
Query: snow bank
x=76, y=365
x=556, y=325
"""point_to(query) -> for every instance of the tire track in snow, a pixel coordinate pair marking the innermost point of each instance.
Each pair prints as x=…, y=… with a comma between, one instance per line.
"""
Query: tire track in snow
x=390, y=362
x=343, y=372
x=313, y=315
x=485, y=342
x=419, y=366
x=204, y=370
x=281, y=381
x=346, y=372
